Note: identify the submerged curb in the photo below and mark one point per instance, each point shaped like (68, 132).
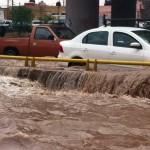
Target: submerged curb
(136, 84)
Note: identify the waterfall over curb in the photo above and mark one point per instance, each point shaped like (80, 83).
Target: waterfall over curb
(136, 83)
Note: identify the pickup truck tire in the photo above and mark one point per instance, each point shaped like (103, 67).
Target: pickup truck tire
(11, 51)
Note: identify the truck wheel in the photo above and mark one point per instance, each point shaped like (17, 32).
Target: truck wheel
(11, 51)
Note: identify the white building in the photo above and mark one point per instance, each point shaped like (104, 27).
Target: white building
(1, 14)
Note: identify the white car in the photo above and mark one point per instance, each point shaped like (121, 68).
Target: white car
(112, 43)
(36, 22)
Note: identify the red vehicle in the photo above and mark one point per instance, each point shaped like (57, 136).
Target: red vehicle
(42, 41)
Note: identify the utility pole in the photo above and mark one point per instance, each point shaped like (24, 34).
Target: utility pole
(7, 3)
(12, 3)
(88, 12)
(7, 9)
(12, 8)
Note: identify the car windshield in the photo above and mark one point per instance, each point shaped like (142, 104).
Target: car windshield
(144, 34)
(63, 32)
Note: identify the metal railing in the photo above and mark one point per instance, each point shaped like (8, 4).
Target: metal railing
(87, 62)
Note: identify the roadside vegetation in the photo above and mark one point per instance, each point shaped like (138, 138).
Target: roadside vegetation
(22, 18)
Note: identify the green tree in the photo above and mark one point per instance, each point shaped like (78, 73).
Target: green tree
(22, 18)
(47, 18)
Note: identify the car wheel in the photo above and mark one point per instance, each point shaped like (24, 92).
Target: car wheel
(11, 51)
(70, 64)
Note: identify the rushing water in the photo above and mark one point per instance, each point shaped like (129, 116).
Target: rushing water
(134, 83)
(34, 118)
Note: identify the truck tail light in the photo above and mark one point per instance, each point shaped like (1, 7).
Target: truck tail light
(61, 49)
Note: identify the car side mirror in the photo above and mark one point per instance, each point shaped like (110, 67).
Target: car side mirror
(136, 45)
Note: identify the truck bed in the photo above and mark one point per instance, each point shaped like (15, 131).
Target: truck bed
(22, 43)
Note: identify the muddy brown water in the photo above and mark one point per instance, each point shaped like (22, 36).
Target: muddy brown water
(135, 83)
(74, 109)
(34, 118)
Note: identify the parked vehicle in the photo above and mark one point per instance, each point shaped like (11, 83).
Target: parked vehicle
(42, 41)
(146, 25)
(5, 22)
(5, 25)
(36, 22)
(113, 43)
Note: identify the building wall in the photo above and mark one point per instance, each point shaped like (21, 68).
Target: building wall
(38, 10)
(106, 10)
(143, 10)
(42, 10)
(146, 11)
(1, 14)
(139, 8)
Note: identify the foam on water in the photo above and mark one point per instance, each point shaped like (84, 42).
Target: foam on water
(34, 118)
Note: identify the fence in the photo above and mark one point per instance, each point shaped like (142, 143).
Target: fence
(95, 62)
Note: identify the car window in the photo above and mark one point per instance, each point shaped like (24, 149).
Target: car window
(98, 38)
(122, 39)
(144, 34)
(43, 34)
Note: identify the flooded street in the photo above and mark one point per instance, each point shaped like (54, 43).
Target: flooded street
(34, 118)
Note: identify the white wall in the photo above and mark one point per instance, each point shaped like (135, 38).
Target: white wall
(1, 14)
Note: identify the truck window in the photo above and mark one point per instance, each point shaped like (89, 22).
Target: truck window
(63, 32)
(43, 34)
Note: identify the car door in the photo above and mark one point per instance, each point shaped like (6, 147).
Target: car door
(121, 49)
(43, 43)
(96, 45)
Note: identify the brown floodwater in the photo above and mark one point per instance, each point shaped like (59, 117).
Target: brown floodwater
(34, 118)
